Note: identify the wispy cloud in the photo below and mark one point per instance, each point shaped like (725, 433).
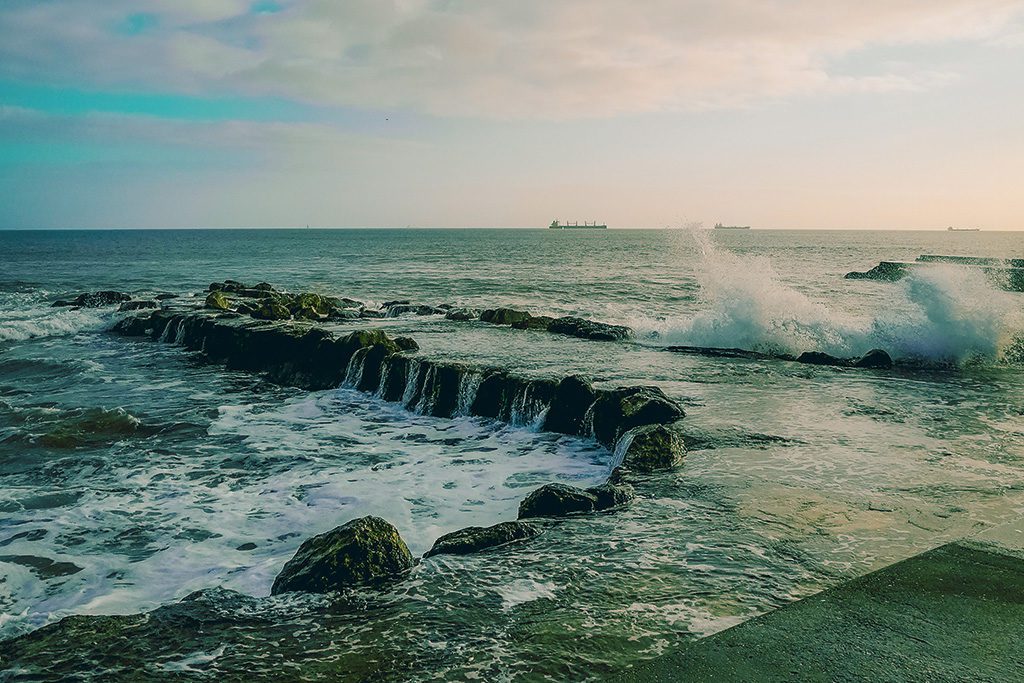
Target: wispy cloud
(486, 58)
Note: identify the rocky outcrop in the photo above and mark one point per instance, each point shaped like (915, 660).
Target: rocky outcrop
(95, 300)
(560, 500)
(536, 322)
(218, 301)
(889, 271)
(876, 359)
(651, 448)
(268, 309)
(138, 305)
(475, 539)
(819, 358)
(616, 411)
(365, 551)
(588, 329)
(568, 408)
(396, 310)
(504, 316)
(463, 314)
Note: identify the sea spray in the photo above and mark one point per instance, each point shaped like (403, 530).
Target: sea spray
(940, 314)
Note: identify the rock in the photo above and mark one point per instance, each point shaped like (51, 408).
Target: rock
(265, 286)
(573, 397)
(504, 316)
(345, 314)
(165, 296)
(463, 314)
(616, 411)
(401, 309)
(313, 303)
(306, 313)
(138, 305)
(371, 314)
(556, 500)
(269, 309)
(364, 551)
(247, 307)
(588, 329)
(406, 344)
(819, 358)
(875, 358)
(389, 304)
(226, 286)
(611, 495)
(255, 293)
(537, 322)
(652, 448)
(474, 539)
(95, 300)
(218, 301)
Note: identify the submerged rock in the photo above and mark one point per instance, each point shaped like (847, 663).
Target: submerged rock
(406, 344)
(419, 309)
(616, 411)
(557, 500)
(474, 539)
(875, 358)
(588, 329)
(218, 301)
(573, 397)
(364, 551)
(653, 447)
(165, 296)
(504, 316)
(95, 300)
(139, 305)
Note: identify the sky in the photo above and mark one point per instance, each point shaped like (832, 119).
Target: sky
(872, 114)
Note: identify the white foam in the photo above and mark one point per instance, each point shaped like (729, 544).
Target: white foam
(939, 313)
(23, 316)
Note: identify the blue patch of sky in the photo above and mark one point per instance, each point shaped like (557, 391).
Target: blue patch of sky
(266, 7)
(138, 23)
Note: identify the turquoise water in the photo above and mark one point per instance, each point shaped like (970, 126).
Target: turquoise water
(134, 474)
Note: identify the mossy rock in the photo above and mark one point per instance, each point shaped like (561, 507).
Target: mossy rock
(652, 448)
(474, 539)
(365, 551)
(218, 301)
(269, 309)
(557, 500)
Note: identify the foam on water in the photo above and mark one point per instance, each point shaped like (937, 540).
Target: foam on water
(273, 476)
(25, 316)
(937, 314)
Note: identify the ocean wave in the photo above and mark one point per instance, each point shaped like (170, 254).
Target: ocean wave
(943, 314)
(25, 316)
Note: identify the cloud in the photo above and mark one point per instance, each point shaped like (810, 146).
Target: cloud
(493, 59)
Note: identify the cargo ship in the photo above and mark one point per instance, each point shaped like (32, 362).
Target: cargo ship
(558, 225)
(719, 226)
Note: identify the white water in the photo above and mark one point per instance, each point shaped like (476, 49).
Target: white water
(938, 314)
(23, 316)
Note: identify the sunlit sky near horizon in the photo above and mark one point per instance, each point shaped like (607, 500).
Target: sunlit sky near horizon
(773, 113)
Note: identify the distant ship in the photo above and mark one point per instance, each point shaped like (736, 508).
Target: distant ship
(557, 225)
(719, 226)
(952, 229)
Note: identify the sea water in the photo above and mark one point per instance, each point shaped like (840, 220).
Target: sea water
(133, 474)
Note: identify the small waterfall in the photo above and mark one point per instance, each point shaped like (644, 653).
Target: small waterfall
(179, 335)
(354, 371)
(526, 408)
(469, 384)
(385, 376)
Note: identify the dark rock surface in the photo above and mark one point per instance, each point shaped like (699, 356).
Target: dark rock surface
(652, 448)
(876, 359)
(95, 300)
(504, 316)
(819, 358)
(269, 309)
(463, 314)
(557, 500)
(611, 495)
(364, 551)
(138, 305)
(537, 322)
(474, 539)
(218, 301)
(588, 329)
(572, 398)
(616, 411)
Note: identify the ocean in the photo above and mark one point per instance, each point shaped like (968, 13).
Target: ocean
(135, 474)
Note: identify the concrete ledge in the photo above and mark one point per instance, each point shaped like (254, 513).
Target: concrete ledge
(955, 613)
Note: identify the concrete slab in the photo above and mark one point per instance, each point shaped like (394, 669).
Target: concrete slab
(955, 613)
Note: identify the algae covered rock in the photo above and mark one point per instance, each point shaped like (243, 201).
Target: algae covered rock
(365, 551)
(463, 314)
(537, 322)
(556, 500)
(504, 316)
(651, 448)
(588, 329)
(218, 301)
(611, 495)
(406, 344)
(474, 539)
(616, 411)
(310, 304)
(269, 309)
